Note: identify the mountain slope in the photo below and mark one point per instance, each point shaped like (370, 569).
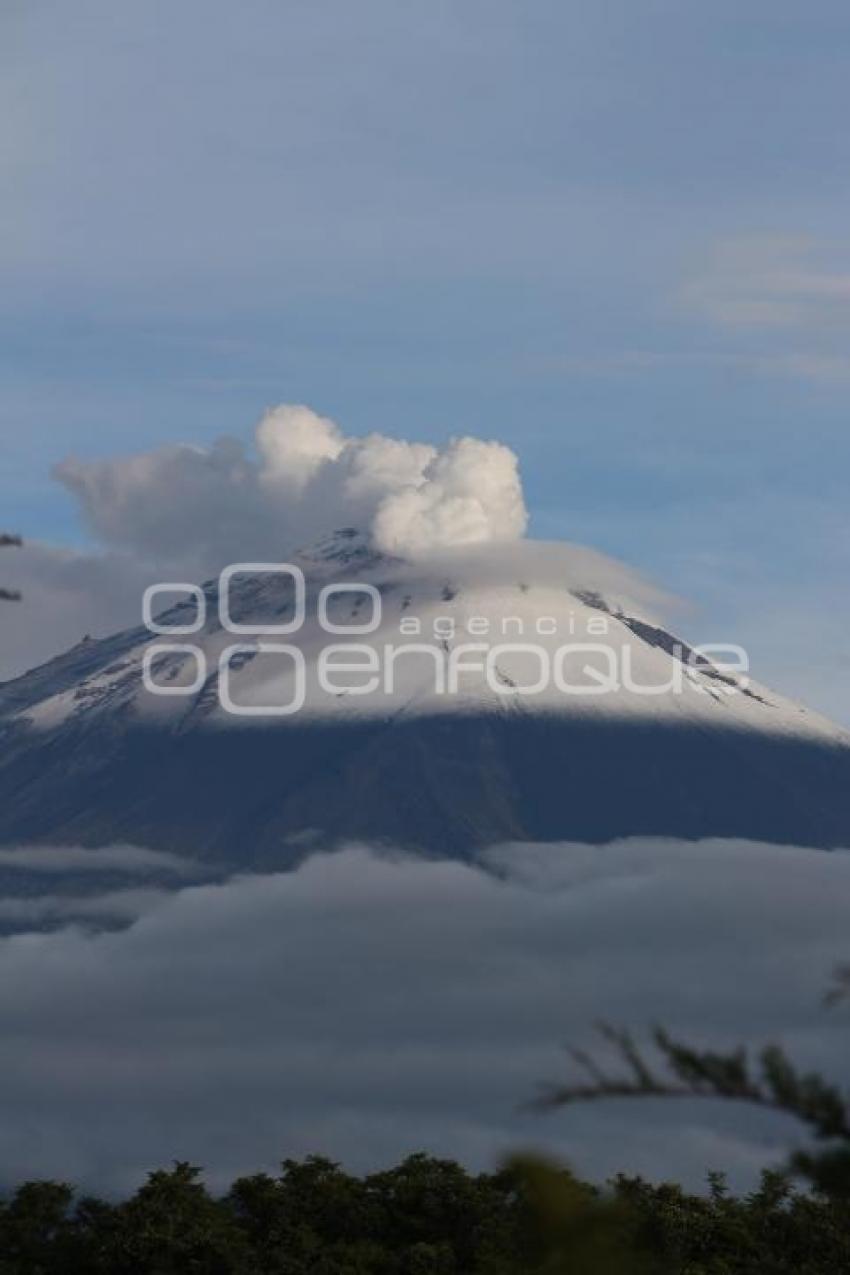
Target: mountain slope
(670, 744)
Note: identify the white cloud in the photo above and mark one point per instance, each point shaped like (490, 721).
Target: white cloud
(196, 509)
(294, 443)
(363, 1007)
(769, 281)
(183, 512)
(802, 365)
(470, 494)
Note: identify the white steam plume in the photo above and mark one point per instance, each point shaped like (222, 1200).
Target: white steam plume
(200, 507)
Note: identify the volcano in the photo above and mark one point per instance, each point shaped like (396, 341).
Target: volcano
(529, 692)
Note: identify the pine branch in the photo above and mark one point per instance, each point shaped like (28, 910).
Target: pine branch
(772, 1083)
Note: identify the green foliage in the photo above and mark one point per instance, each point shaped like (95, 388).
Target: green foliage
(574, 1228)
(424, 1217)
(172, 1226)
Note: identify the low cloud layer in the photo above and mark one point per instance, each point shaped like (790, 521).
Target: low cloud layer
(365, 1007)
(118, 858)
(199, 508)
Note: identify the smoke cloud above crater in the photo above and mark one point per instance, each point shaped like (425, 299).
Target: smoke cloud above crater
(199, 508)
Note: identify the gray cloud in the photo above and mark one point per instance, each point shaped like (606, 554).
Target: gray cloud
(117, 858)
(365, 1006)
(111, 908)
(67, 595)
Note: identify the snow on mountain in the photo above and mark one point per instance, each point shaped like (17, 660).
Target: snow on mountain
(525, 690)
(519, 610)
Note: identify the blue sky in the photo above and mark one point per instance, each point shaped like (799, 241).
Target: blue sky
(612, 235)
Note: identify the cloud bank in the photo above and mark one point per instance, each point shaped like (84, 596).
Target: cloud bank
(365, 1006)
(202, 507)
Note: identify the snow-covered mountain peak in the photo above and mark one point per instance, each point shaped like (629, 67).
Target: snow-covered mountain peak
(345, 549)
(529, 628)
(529, 690)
